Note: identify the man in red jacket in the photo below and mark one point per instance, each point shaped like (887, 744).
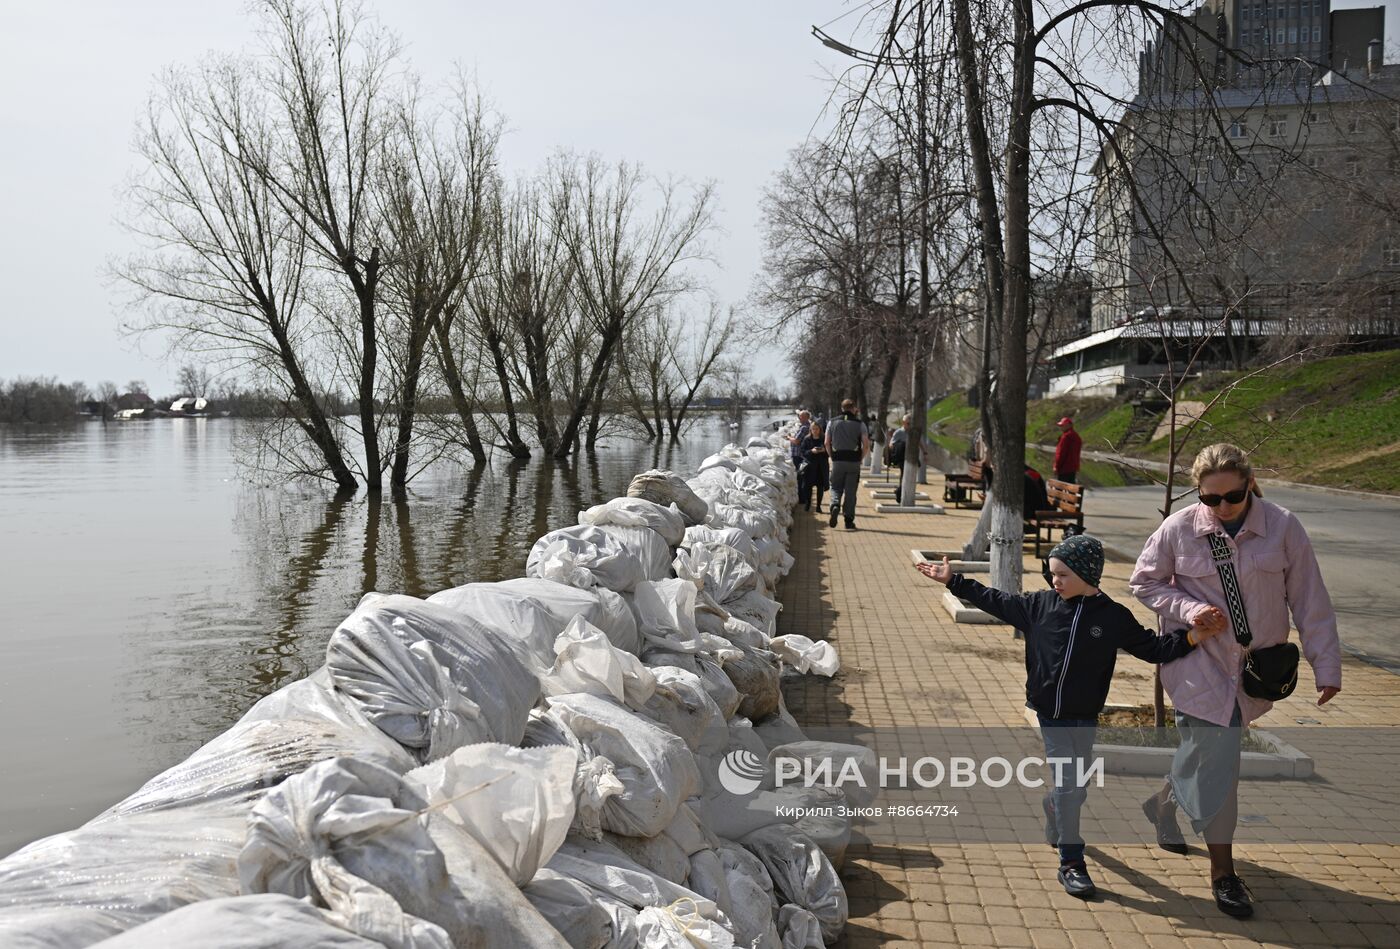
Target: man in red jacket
(1067, 452)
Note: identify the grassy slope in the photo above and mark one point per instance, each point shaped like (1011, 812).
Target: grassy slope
(1334, 421)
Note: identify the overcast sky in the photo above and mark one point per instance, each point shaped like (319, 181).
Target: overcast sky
(717, 90)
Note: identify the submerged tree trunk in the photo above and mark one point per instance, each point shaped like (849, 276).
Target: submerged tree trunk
(514, 443)
(452, 374)
(366, 286)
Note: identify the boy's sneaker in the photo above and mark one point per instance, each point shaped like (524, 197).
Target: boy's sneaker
(1075, 879)
(831, 521)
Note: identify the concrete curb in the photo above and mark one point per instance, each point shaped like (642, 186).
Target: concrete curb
(958, 566)
(964, 612)
(880, 493)
(909, 509)
(1284, 761)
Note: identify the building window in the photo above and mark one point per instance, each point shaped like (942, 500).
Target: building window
(1354, 123)
(1292, 34)
(1317, 7)
(1200, 175)
(1317, 34)
(1353, 166)
(1392, 253)
(1240, 172)
(1239, 128)
(1314, 162)
(1276, 126)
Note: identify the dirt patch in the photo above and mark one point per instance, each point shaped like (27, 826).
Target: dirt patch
(995, 653)
(1356, 457)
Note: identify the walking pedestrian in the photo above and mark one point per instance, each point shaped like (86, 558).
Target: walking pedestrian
(847, 444)
(804, 427)
(895, 450)
(1230, 540)
(1073, 634)
(816, 469)
(1067, 452)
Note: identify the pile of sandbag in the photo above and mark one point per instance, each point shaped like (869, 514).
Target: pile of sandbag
(535, 762)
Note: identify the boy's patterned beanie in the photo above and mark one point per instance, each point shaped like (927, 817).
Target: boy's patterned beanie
(1084, 555)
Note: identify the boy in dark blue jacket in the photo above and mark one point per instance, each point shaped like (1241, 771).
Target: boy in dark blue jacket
(1073, 634)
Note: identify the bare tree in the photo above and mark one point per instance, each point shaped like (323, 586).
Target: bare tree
(623, 259)
(226, 272)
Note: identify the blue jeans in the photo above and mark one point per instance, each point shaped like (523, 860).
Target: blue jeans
(1071, 738)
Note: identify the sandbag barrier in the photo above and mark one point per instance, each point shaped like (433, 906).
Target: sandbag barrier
(535, 762)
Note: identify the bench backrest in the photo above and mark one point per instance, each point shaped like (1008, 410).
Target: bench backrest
(1065, 497)
(974, 470)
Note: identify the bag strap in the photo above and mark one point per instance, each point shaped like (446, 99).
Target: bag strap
(1220, 553)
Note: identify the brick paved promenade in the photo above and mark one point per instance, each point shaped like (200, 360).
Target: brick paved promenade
(904, 662)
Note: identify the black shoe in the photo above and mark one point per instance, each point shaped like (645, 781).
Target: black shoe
(1052, 824)
(807, 506)
(1168, 833)
(819, 508)
(850, 525)
(832, 519)
(1075, 879)
(1232, 896)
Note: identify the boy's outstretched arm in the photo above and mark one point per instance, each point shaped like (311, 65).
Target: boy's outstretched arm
(1011, 608)
(1141, 642)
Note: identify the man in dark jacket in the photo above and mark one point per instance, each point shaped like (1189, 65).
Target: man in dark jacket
(1073, 634)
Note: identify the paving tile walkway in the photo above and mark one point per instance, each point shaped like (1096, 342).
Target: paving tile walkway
(906, 664)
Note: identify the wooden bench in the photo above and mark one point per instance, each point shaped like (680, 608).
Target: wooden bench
(958, 488)
(1066, 508)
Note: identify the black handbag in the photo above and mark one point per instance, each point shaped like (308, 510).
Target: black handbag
(1270, 673)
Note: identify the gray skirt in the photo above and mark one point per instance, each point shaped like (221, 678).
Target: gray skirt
(1206, 767)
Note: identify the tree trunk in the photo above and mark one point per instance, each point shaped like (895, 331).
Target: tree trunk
(595, 418)
(568, 438)
(514, 444)
(460, 402)
(408, 402)
(537, 368)
(313, 421)
(366, 289)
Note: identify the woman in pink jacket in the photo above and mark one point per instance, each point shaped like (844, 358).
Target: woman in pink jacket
(1177, 577)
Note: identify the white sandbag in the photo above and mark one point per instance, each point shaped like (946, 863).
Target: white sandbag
(541, 609)
(80, 887)
(718, 569)
(735, 816)
(660, 854)
(738, 631)
(264, 921)
(666, 614)
(681, 705)
(657, 770)
(680, 925)
(801, 874)
(780, 728)
(517, 803)
(385, 866)
(751, 895)
(799, 928)
(707, 878)
(571, 908)
(618, 878)
(638, 512)
(805, 655)
(667, 488)
(707, 667)
(728, 536)
(238, 767)
(586, 661)
(755, 608)
(756, 676)
(649, 547)
(595, 778)
(428, 676)
(584, 557)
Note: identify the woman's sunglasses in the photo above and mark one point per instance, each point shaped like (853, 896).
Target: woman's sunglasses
(1233, 497)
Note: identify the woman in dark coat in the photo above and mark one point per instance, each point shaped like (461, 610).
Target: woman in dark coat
(817, 470)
